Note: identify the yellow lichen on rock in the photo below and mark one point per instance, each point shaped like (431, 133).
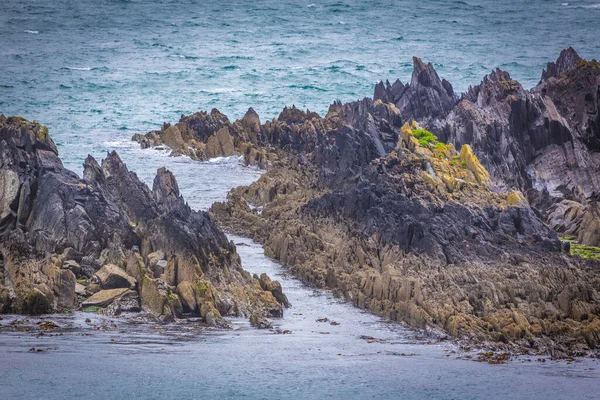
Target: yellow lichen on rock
(517, 199)
(472, 163)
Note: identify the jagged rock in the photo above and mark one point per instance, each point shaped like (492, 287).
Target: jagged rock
(414, 230)
(52, 220)
(275, 288)
(426, 97)
(567, 61)
(542, 141)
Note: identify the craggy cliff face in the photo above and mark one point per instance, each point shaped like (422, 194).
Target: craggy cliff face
(436, 210)
(110, 241)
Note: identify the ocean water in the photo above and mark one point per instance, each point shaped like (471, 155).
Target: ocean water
(96, 72)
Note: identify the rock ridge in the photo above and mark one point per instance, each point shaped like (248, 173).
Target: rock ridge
(107, 235)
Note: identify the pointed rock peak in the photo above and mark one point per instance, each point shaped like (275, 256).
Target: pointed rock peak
(397, 82)
(335, 109)
(496, 85)
(425, 75)
(91, 170)
(251, 121)
(165, 185)
(251, 113)
(567, 61)
(418, 65)
(381, 92)
(497, 76)
(113, 165)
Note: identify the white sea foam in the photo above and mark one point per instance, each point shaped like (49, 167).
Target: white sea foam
(219, 90)
(225, 160)
(121, 144)
(32, 32)
(80, 68)
(311, 5)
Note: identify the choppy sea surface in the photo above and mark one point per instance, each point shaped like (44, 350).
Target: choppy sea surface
(96, 72)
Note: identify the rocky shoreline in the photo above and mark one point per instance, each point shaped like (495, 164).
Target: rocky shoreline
(429, 208)
(110, 244)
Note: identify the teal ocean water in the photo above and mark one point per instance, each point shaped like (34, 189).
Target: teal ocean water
(96, 72)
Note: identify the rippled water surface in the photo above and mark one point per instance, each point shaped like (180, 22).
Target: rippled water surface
(98, 71)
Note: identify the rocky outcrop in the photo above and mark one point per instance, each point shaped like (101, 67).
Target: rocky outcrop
(112, 231)
(439, 210)
(426, 97)
(419, 236)
(544, 142)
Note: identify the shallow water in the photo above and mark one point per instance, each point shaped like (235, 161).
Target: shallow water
(98, 71)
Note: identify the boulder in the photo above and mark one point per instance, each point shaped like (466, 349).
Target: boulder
(251, 123)
(111, 277)
(104, 297)
(259, 321)
(80, 289)
(275, 288)
(159, 299)
(187, 293)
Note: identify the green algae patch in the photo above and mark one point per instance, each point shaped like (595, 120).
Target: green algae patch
(425, 137)
(203, 286)
(587, 252)
(92, 309)
(583, 251)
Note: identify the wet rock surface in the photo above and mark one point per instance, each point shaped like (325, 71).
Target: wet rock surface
(108, 240)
